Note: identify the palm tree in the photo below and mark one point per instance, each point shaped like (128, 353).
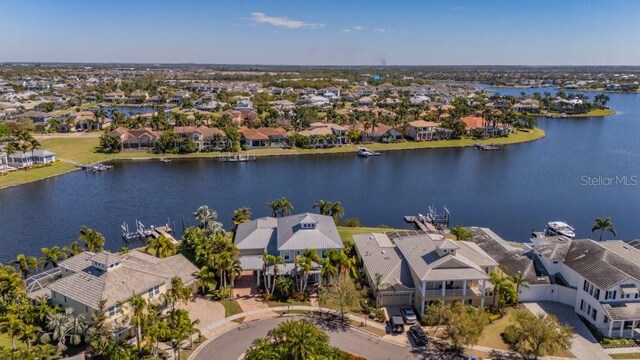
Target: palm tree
(206, 279)
(336, 210)
(266, 260)
(50, 257)
(241, 215)
(323, 206)
(65, 327)
(13, 326)
(24, 264)
(275, 206)
(285, 206)
(73, 249)
(208, 219)
(347, 265)
(519, 281)
(161, 247)
(328, 270)
(93, 240)
(234, 271)
(377, 282)
(501, 285)
(276, 260)
(602, 225)
(138, 305)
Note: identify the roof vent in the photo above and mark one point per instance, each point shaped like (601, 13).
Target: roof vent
(384, 252)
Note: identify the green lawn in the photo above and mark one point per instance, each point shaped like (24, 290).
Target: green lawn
(625, 356)
(231, 307)
(26, 176)
(348, 232)
(291, 302)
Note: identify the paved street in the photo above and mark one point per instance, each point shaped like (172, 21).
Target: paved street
(235, 342)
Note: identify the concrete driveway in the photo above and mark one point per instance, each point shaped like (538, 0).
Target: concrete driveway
(205, 310)
(583, 346)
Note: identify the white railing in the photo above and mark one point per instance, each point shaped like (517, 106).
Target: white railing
(454, 292)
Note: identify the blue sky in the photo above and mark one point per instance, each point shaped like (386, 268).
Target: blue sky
(456, 32)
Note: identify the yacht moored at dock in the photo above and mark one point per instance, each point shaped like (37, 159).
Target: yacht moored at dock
(560, 228)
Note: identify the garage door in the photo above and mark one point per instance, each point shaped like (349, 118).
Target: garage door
(395, 299)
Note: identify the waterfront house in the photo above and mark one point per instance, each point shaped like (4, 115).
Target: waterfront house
(91, 282)
(179, 96)
(136, 139)
(206, 138)
(527, 106)
(138, 97)
(114, 96)
(439, 269)
(244, 105)
(264, 137)
(421, 130)
(381, 132)
(288, 237)
(474, 124)
(601, 280)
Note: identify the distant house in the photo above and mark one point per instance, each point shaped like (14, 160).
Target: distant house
(264, 137)
(326, 134)
(138, 96)
(527, 106)
(87, 121)
(38, 117)
(244, 105)
(25, 159)
(287, 237)
(206, 138)
(365, 101)
(381, 132)
(421, 130)
(93, 282)
(136, 139)
(473, 123)
(180, 96)
(114, 96)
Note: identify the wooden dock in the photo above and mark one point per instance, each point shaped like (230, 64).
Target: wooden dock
(143, 233)
(420, 223)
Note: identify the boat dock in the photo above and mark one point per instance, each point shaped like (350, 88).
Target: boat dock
(143, 233)
(238, 158)
(432, 222)
(488, 147)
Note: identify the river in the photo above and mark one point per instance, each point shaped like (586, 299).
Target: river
(511, 191)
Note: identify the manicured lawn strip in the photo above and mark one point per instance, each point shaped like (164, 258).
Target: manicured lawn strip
(289, 303)
(231, 307)
(596, 112)
(26, 176)
(625, 356)
(347, 232)
(185, 354)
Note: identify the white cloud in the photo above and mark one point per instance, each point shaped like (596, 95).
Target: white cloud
(381, 30)
(262, 18)
(352, 28)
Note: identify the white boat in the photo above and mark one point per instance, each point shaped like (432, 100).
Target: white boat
(364, 152)
(165, 160)
(560, 228)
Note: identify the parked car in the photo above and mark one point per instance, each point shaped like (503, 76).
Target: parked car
(418, 334)
(397, 324)
(409, 315)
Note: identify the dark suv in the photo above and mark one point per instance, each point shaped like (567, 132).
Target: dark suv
(397, 324)
(418, 334)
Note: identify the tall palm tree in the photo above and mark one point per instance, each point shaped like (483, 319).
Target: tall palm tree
(206, 279)
(266, 260)
(73, 249)
(323, 206)
(50, 257)
(347, 265)
(328, 270)
(241, 215)
(208, 219)
(93, 240)
(65, 327)
(234, 271)
(602, 225)
(276, 260)
(285, 206)
(519, 281)
(161, 247)
(274, 206)
(138, 306)
(499, 282)
(12, 326)
(24, 264)
(336, 210)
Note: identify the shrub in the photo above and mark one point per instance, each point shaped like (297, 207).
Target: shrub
(381, 315)
(352, 222)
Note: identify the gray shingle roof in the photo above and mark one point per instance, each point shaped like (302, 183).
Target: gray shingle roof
(513, 260)
(552, 247)
(135, 275)
(622, 311)
(380, 256)
(600, 265)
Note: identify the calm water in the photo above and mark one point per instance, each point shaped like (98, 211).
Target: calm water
(510, 191)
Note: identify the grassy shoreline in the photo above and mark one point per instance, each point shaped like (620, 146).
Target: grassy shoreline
(76, 149)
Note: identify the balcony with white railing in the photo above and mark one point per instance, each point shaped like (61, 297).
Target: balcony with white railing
(470, 291)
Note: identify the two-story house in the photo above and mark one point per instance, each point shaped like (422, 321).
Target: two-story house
(91, 282)
(205, 138)
(420, 130)
(605, 277)
(287, 237)
(424, 268)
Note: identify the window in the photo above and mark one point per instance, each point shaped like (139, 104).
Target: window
(590, 289)
(286, 255)
(606, 319)
(154, 291)
(588, 308)
(594, 314)
(596, 293)
(65, 299)
(581, 305)
(610, 295)
(555, 261)
(113, 310)
(54, 294)
(585, 286)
